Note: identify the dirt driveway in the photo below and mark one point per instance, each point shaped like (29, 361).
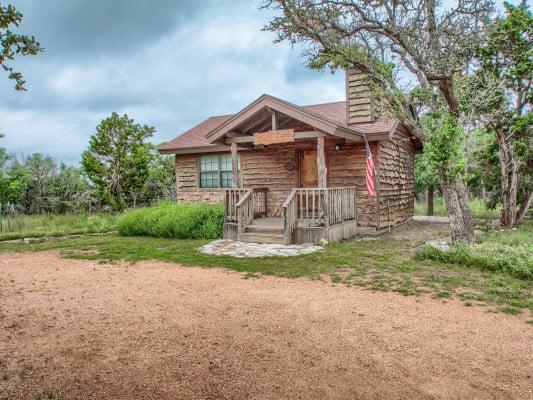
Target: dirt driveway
(82, 330)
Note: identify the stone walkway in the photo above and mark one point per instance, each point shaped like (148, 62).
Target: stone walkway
(253, 250)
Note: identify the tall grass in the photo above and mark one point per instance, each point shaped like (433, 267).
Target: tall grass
(25, 226)
(509, 251)
(172, 220)
(479, 209)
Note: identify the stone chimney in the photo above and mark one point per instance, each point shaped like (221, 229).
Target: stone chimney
(359, 99)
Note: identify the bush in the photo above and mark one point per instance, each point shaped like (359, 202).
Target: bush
(515, 260)
(171, 220)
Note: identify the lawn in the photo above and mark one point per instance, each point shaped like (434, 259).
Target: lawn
(479, 209)
(26, 226)
(386, 263)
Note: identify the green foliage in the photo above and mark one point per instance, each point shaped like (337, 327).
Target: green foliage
(507, 252)
(71, 191)
(443, 149)
(13, 179)
(117, 160)
(425, 174)
(479, 209)
(172, 220)
(12, 44)
(50, 225)
(161, 181)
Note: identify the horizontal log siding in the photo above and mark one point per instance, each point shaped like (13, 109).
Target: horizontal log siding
(347, 167)
(187, 182)
(396, 183)
(276, 167)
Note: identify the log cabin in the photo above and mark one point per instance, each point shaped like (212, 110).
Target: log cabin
(297, 174)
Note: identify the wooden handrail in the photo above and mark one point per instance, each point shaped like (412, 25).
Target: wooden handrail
(289, 199)
(244, 198)
(290, 217)
(245, 210)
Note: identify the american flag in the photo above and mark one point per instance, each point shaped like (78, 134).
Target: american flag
(369, 171)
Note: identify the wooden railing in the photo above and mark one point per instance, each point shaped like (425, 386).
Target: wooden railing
(231, 198)
(318, 207)
(290, 216)
(234, 198)
(245, 210)
(342, 204)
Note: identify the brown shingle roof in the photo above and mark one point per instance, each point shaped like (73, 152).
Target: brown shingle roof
(335, 112)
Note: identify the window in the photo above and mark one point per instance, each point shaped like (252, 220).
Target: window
(215, 171)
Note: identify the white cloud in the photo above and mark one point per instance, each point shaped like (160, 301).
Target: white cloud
(213, 65)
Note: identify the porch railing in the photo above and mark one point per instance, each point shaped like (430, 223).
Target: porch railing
(318, 207)
(290, 216)
(245, 210)
(232, 197)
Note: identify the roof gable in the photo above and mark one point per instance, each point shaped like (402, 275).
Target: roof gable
(330, 115)
(314, 119)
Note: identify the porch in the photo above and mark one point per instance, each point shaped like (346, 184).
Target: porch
(309, 215)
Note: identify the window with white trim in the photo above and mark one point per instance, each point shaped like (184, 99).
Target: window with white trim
(215, 171)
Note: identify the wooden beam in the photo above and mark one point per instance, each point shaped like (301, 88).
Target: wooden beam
(297, 135)
(274, 121)
(321, 161)
(308, 134)
(234, 165)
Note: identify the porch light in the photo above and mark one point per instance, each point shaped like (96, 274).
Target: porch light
(337, 147)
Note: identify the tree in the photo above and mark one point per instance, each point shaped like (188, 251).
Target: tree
(41, 170)
(431, 41)
(161, 181)
(71, 191)
(426, 179)
(499, 97)
(12, 44)
(117, 160)
(12, 180)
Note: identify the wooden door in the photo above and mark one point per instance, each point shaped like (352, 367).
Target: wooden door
(308, 169)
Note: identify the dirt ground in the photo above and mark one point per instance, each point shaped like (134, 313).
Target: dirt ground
(83, 330)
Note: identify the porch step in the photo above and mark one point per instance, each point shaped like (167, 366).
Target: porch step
(257, 237)
(276, 230)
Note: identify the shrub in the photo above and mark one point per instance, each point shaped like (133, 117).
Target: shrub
(171, 220)
(515, 260)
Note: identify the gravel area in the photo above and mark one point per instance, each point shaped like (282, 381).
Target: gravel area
(83, 330)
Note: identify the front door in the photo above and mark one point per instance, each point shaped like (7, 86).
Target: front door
(308, 169)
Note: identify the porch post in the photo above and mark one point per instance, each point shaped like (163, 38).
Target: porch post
(234, 165)
(321, 161)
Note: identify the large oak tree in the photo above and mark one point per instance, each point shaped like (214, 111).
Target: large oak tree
(428, 39)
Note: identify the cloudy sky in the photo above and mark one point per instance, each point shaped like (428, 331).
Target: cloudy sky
(166, 63)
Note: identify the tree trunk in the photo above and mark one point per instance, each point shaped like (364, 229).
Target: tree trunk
(506, 215)
(524, 209)
(430, 195)
(461, 225)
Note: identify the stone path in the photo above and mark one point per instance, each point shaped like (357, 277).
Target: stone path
(253, 250)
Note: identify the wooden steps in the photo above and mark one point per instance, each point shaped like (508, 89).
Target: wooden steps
(258, 232)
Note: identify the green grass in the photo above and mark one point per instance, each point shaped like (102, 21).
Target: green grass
(385, 264)
(479, 209)
(508, 251)
(49, 225)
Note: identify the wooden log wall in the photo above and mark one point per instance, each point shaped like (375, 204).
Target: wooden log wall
(396, 180)
(276, 167)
